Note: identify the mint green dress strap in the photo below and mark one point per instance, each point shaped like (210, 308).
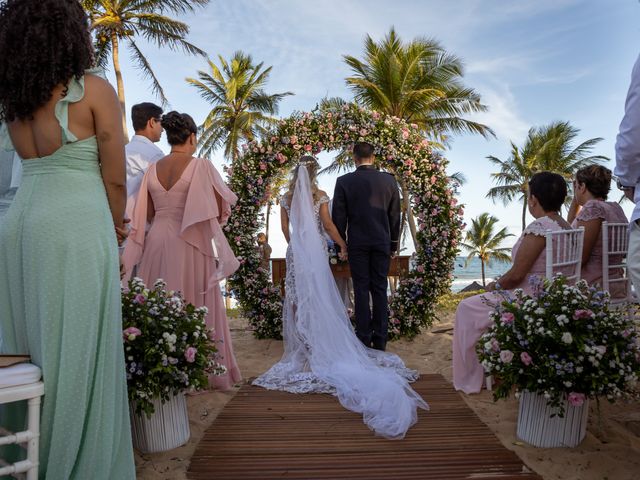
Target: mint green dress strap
(75, 93)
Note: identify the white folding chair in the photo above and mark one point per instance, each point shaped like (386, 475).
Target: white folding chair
(564, 253)
(615, 243)
(563, 250)
(17, 383)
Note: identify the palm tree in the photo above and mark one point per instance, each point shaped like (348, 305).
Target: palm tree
(482, 242)
(242, 110)
(115, 22)
(547, 148)
(419, 82)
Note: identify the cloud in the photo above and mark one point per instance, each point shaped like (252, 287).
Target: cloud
(503, 115)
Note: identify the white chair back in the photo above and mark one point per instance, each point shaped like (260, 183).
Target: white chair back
(615, 243)
(564, 253)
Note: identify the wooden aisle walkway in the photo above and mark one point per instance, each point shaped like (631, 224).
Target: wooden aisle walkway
(263, 435)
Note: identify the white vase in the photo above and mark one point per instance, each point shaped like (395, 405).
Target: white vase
(166, 429)
(538, 428)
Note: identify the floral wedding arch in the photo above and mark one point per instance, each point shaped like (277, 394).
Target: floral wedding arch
(400, 148)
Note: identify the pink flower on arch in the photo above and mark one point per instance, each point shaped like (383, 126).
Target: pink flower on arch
(139, 299)
(405, 134)
(576, 399)
(263, 166)
(307, 148)
(526, 358)
(579, 314)
(190, 354)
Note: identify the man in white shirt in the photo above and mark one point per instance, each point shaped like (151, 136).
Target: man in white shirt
(141, 151)
(628, 169)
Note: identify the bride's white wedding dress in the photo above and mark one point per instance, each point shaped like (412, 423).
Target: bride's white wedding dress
(321, 352)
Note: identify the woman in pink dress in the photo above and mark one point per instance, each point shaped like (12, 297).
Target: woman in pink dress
(589, 209)
(547, 192)
(185, 201)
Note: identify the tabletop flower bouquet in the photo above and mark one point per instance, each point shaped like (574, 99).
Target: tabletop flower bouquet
(559, 347)
(167, 351)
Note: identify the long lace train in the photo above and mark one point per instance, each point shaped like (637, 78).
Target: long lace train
(322, 353)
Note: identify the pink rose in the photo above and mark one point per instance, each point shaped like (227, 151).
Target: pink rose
(131, 333)
(506, 356)
(263, 166)
(364, 132)
(307, 148)
(140, 299)
(405, 134)
(582, 314)
(420, 268)
(495, 345)
(293, 139)
(280, 157)
(190, 354)
(507, 318)
(260, 181)
(576, 399)
(526, 358)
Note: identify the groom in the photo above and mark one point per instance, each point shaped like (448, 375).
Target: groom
(366, 211)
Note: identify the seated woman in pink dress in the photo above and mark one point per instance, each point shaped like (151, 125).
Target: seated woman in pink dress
(589, 209)
(186, 201)
(547, 192)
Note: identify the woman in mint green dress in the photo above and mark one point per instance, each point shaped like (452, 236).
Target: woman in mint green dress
(59, 272)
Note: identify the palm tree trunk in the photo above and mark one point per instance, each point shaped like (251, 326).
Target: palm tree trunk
(406, 200)
(484, 283)
(524, 212)
(119, 83)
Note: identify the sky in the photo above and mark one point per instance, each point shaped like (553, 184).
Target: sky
(532, 61)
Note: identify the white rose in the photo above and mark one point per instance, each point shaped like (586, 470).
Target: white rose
(567, 338)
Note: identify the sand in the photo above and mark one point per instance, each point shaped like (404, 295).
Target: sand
(610, 451)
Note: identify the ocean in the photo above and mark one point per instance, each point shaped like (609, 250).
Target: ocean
(464, 276)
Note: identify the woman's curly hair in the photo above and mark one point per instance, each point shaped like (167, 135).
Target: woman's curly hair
(43, 43)
(178, 127)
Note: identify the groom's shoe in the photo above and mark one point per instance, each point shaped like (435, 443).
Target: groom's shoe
(379, 346)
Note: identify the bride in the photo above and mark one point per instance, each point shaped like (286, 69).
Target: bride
(321, 352)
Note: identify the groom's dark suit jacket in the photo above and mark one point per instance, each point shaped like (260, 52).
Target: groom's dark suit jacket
(366, 208)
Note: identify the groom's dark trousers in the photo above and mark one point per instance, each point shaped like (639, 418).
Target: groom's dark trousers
(369, 269)
(366, 212)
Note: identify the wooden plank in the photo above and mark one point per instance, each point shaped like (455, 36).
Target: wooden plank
(263, 435)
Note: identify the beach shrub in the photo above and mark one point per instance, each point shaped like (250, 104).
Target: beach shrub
(563, 342)
(167, 346)
(400, 147)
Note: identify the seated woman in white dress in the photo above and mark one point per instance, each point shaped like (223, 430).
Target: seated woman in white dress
(547, 192)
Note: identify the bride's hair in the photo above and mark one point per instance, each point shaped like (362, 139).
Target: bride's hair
(312, 169)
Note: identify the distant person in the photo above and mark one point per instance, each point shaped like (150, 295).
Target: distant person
(628, 169)
(186, 203)
(141, 150)
(547, 192)
(589, 209)
(264, 250)
(60, 298)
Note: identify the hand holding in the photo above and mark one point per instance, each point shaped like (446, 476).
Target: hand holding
(123, 232)
(343, 252)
